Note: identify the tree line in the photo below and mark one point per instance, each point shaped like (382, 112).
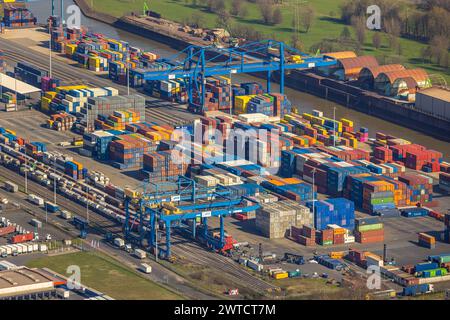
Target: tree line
(427, 21)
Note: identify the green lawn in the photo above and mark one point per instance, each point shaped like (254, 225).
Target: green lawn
(106, 275)
(325, 26)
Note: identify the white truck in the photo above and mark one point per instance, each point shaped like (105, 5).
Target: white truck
(119, 242)
(145, 268)
(141, 254)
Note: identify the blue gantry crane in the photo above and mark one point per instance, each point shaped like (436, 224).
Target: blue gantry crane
(196, 203)
(195, 63)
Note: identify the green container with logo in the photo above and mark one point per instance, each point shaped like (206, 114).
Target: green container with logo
(370, 227)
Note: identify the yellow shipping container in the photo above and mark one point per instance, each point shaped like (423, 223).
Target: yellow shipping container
(281, 275)
(10, 131)
(50, 94)
(337, 254)
(80, 87)
(347, 122)
(70, 49)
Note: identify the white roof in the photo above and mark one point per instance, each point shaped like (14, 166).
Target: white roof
(16, 85)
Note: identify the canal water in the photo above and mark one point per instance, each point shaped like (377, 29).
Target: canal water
(305, 102)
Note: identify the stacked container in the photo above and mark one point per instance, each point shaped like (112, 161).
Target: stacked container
(18, 17)
(339, 211)
(160, 166)
(427, 241)
(369, 230)
(420, 187)
(30, 74)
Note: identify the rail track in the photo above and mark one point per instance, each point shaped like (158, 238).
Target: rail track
(97, 221)
(196, 254)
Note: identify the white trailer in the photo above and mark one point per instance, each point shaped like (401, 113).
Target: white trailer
(119, 242)
(145, 268)
(141, 254)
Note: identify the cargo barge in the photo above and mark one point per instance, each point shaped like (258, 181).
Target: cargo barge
(368, 102)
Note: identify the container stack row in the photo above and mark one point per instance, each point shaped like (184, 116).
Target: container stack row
(18, 17)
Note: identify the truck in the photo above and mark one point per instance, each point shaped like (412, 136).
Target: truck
(22, 238)
(418, 289)
(119, 242)
(11, 187)
(141, 254)
(51, 207)
(35, 200)
(145, 268)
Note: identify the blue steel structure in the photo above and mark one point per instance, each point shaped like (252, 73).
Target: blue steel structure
(195, 63)
(223, 203)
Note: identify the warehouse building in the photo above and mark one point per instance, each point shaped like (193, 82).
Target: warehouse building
(435, 101)
(326, 71)
(401, 83)
(367, 75)
(27, 284)
(349, 68)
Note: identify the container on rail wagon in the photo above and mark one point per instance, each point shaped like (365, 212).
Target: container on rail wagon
(36, 223)
(35, 200)
(66, 214)
(51, 207)
(11, 187)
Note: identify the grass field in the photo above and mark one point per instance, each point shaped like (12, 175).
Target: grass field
(104, 274)
(325, 26)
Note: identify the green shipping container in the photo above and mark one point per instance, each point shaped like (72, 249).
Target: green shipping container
(294, 274)
(369, 227)
(327, 243)
(444, 259)
(382, 200)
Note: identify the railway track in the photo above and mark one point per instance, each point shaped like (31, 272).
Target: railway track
(97, 221)
(192, 252)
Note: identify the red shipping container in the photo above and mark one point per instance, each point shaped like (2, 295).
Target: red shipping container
(22, 238)
(7, 230)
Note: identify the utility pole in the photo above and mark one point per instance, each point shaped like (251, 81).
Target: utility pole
(87, 204)
(334, 126)
(26, 174)
(128, 72)
(313, 193)
(54, 180)
(156, 240)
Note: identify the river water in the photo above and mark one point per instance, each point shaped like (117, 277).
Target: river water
(305, 102)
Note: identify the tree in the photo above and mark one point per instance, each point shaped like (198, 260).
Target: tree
(345, 34)
(216, 5)
(438, 50)
(266, 9)
(376, 40)
(277, 16)
(223, 19)
(307, 17)
(236, 7)
(360, 29)
(196, 20)
(295, 42)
